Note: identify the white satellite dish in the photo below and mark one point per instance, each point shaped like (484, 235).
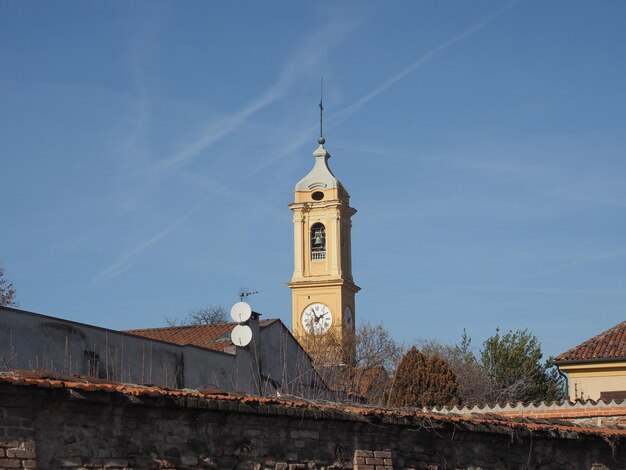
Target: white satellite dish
(241, 335)
(241, 312)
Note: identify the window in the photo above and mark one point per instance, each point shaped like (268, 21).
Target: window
(617, 395)
(318, 242)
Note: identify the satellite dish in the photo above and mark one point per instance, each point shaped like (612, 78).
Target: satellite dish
(241, 335)
(241, 312)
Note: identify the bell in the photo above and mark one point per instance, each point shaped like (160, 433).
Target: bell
(318, 239)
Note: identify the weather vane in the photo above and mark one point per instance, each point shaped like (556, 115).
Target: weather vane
(321, 140)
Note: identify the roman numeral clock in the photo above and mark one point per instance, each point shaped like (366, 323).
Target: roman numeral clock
(317, 319)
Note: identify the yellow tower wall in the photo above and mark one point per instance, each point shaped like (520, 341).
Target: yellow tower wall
(320, 198)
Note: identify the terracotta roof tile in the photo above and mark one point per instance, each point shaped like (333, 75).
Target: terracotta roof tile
(45, 379)
(611, 344)
(215, 337)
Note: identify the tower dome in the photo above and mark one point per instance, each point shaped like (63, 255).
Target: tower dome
(321, 176)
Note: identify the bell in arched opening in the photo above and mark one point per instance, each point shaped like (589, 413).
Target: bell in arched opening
(318, 241)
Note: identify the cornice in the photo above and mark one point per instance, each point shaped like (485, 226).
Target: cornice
(333, 204)
(324, 283)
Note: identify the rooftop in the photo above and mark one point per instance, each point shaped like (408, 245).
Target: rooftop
(608, 345)
(215, 337)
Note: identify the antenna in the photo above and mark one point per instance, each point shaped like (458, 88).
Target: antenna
(245, 294)
(321, 140)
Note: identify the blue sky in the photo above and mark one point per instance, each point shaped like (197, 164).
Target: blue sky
(149, 151)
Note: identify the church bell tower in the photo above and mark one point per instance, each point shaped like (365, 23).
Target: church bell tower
(322, 286)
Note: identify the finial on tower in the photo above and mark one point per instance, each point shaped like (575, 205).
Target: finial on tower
(321, 140)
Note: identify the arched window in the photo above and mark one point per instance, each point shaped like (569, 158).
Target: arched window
(318, 241)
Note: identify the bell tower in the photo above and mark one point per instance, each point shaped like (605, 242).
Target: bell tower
(322, 286)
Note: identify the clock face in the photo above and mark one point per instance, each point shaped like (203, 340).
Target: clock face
(317, 319)
(347, 315)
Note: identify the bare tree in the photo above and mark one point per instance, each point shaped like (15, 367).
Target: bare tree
(356, 366)
(376, 360)
(376, 348)
(7, 291)
(210, 315)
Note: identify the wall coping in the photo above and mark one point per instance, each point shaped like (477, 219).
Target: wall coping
(564, 408)
(86, 389)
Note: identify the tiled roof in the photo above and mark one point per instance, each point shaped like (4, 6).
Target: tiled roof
(608, 345)
(216, 337)
(240, 403)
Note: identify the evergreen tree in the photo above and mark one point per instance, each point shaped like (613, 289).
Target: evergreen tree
(422, 381)
(513, 365)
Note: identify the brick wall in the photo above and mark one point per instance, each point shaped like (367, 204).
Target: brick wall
(372, 460)
(56, 427)
(17, 454)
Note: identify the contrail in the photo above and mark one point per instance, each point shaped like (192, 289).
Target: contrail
(418, 63)
(275, 92)
(223, 128)
(122, 265)
(305, 59)
(300, 62)
(386, 85)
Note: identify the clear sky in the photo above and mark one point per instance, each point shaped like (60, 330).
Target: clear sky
(149, 151)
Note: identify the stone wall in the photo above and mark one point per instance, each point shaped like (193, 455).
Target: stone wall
(56, 425)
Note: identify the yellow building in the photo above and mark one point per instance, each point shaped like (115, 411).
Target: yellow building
(322, 286)
(596, 368)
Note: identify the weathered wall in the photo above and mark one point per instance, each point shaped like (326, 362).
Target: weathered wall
(65, 427)
(275, 362)
(33, 341)
(286, 367)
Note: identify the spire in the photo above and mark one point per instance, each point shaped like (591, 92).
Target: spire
(320, 177)
(321, 140)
